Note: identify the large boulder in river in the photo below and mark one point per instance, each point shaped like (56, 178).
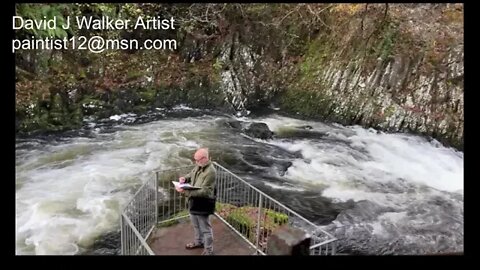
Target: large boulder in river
(259, 130)
(234, 124)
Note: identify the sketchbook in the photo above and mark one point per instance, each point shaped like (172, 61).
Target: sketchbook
(184, 186)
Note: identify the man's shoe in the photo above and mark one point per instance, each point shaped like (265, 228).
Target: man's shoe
(193, 246)
(207, 252)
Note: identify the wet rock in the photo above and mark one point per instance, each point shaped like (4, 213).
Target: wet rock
(108, 241)
(259, 130)
(104, 251)
(305, 127)
(235, 124)
(287, 240)
(282, 166)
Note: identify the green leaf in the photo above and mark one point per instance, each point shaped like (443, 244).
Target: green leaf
(59, 32)
(44, 10)
(35, 33)
(50, 32)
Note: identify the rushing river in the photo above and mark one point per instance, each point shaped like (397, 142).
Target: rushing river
(377, 193)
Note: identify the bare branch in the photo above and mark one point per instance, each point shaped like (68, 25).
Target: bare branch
(206, 13)
(329, 6)
(241, 9)
(386, 11)
(363, 18)
(318, 17)
(288, 14)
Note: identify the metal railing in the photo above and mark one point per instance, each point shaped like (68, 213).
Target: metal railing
(172, 205)
(138, 220)
(142, 213)
(251, 213)
(254, 215)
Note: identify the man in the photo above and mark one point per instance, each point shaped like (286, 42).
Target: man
(201, 201)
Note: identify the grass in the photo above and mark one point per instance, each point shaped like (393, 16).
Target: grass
(245, 218)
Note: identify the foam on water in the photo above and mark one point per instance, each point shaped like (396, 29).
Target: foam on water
(70, 193)
(406, 187)
(369, 159)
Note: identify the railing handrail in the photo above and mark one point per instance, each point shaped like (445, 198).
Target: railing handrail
(323, 243)
(174, 168)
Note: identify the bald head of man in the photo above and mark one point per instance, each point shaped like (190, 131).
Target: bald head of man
(201, 157)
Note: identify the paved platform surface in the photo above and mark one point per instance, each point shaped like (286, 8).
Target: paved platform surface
(172, 240)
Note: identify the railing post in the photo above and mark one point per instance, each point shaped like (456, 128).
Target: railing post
(122, 243)
(156, 198)
(260, 201)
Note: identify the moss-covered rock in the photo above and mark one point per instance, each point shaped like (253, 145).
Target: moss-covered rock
(91, 105)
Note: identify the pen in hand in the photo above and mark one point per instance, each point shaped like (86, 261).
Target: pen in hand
(181, 180)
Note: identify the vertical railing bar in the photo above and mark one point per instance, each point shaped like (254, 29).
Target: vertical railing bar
(170, 201)
(143, 204)
(247, 195)
(144, 217)
(140, 216)
(258, 221)
(156, 198)
(224, 189)
(135, 246)
(224, 186)
(252, 197)
(220, 188)
(147, 209)
(151, 199)
(228, 190)
(130, 239)
(129, 243)
(122, 244)
(244, 191)
(174, 202)
(140, 212)
(134, 239)
(150, 204)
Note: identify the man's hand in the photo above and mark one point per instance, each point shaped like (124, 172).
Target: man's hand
(180, 190)
(181, 180)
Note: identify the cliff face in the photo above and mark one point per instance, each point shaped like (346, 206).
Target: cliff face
(396, 67)
(409, 77)
(397, 96)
